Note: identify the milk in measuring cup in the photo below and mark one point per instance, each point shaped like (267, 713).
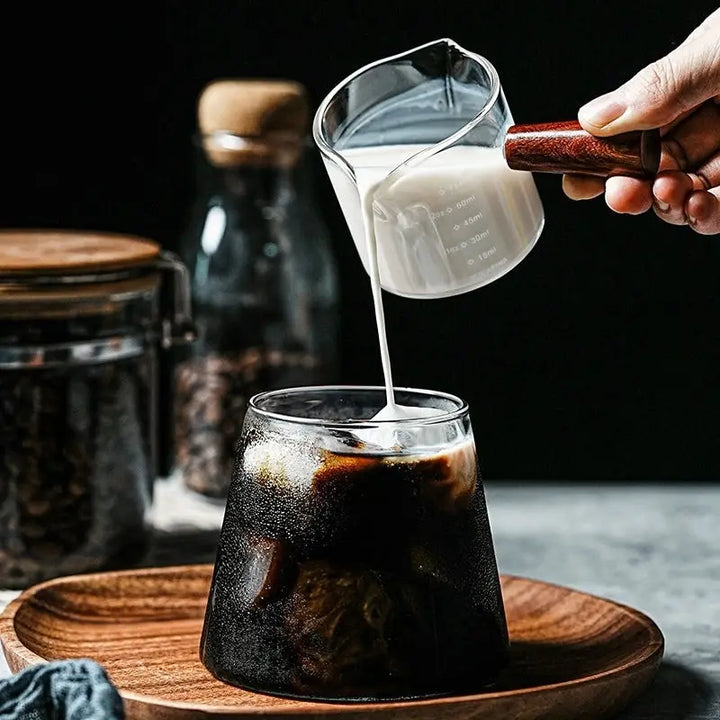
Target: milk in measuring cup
(457, 221)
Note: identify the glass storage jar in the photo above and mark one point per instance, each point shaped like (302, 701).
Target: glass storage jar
(263, 274)
(82, 316)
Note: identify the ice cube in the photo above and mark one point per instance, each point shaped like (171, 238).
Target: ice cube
(394, 432)
(282, 462)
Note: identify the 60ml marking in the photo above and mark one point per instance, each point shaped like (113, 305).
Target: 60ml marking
(460, 204)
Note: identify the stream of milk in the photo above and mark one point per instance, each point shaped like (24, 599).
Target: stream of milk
(455, 219)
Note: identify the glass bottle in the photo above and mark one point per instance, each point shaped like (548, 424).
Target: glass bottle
(263, 275)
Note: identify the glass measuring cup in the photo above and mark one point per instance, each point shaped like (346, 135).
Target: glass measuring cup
(413, 145)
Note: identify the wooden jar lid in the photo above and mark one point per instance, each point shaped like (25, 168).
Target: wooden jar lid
(93, 258)
(252, 121)
(37, 251)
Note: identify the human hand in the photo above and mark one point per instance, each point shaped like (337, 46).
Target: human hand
(680, 94)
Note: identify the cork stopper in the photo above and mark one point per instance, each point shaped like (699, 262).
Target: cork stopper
(252, 121)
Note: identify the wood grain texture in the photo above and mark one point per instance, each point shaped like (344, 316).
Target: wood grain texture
(573, 655)
(45, 250)
(564, 147)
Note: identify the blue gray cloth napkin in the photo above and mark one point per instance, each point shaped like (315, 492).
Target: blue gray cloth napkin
(60, 690)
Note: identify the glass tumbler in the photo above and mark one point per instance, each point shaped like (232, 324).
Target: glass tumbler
(355, 561)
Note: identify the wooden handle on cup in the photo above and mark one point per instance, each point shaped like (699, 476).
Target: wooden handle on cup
(564, 147)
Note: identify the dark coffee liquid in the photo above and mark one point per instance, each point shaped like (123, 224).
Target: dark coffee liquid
(375, 581)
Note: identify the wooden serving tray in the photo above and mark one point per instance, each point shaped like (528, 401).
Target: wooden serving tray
(573, 655)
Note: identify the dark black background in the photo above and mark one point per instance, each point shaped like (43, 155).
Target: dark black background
(596, 358)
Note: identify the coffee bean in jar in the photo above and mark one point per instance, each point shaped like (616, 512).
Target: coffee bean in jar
(81, 325)
(264, 280)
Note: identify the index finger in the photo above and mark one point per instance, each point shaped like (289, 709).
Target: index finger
(692, 141)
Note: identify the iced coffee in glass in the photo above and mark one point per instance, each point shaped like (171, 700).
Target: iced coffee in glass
(355, 561)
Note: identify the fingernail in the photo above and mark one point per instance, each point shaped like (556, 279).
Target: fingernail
(601, 111)
(662, 206)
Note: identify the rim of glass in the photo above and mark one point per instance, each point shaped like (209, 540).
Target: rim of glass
(324, 145)
(442, 416)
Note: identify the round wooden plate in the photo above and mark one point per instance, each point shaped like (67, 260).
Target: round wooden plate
(573, 655)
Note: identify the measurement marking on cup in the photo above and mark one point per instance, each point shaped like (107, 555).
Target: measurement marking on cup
(464, 244)
(460, 204)
(440, 213)
(487, 271)
(484, 255)
(449, 188)
(479, 237)
(469, 221)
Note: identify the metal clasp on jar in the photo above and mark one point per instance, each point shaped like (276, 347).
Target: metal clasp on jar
(179, 328)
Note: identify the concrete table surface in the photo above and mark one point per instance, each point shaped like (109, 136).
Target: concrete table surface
(653, 546)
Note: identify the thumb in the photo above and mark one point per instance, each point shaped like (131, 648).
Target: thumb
(662, 91)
